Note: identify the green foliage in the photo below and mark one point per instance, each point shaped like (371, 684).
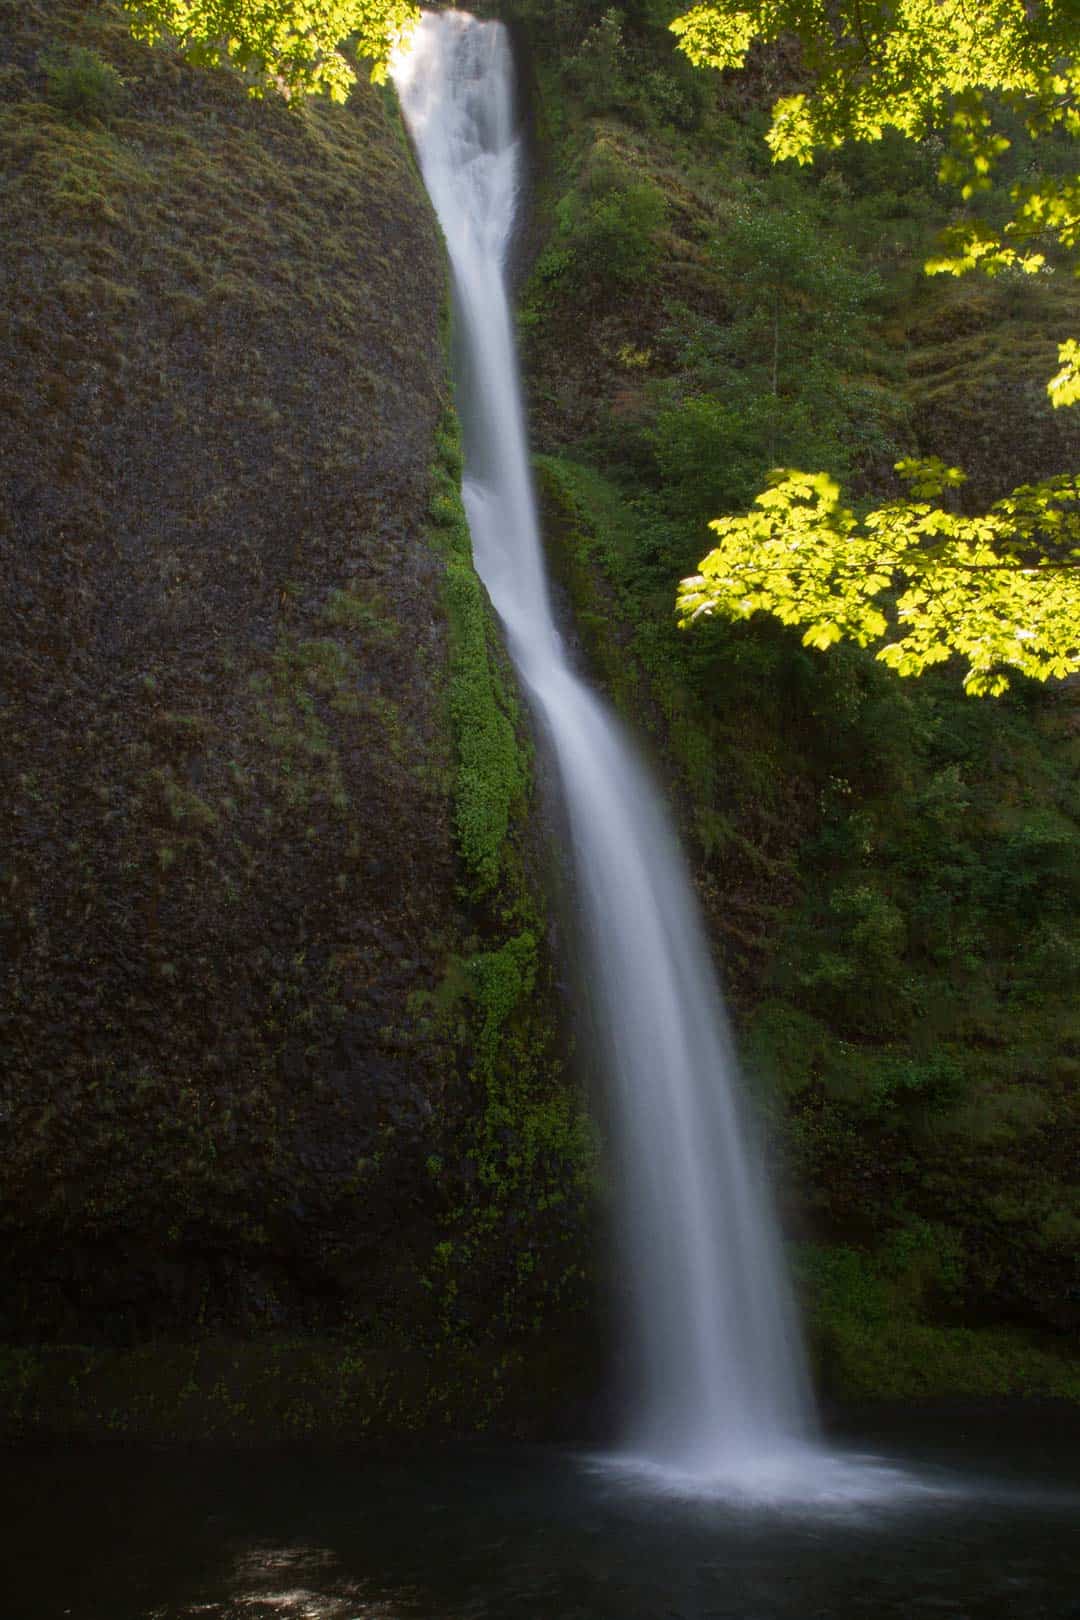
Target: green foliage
(599, 65)
(856, 971)
(933, 1081)
(1064, 386)
(931, 62)
(875, 67)
(606, 239)
(915, 925)
(710, 453)
(290, 45)
(1047, 211)
(778, 264)
(772, 382)
(608, 233)
(1001, 590)
(81, 85)
(890, 872)
(615, 59)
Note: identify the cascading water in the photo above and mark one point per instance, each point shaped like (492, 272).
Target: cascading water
(719, 1390)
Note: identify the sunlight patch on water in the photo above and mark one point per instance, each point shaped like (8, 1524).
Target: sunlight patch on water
(289, 1582)
(299, 1604)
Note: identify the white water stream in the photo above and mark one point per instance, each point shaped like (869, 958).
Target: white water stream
(718, 1387)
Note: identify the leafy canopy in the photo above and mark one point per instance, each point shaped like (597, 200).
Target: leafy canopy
(893, 64)
(1001, 590)
(914, 66)
(289, 44)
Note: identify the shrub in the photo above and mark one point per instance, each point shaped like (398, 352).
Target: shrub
(670, 102)
(81, 85)
(611, 231)
(711, 455)
(599, 65)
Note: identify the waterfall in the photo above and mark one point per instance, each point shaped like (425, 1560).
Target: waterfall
(718, 1388)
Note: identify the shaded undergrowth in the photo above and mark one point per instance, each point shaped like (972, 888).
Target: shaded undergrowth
(889, 869)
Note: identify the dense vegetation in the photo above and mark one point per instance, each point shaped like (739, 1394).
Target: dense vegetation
(891, 868)
(1002, 588)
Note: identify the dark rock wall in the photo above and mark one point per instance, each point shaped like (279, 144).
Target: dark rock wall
(239, 1022)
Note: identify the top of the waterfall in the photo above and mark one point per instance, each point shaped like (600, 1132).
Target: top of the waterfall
(455, 77)
(454, 65)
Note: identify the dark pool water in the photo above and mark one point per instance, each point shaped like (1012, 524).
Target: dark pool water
(946, 1516)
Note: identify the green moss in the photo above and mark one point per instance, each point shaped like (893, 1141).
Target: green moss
(871, 1337)
(529, 1147)
(530, 1151)
(582, 527)
(309, 681)
(598, 540)
(500, 980)
(185, 807)
(543, 1118)
(491, 773)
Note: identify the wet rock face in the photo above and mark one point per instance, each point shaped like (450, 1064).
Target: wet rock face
(228, 857)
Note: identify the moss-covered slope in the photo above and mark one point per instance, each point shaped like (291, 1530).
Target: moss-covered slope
(262, 831)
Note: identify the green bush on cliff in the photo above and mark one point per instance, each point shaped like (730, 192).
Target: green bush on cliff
(772, 380)
(81, 85)
(868, 1326)
(609, 233)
